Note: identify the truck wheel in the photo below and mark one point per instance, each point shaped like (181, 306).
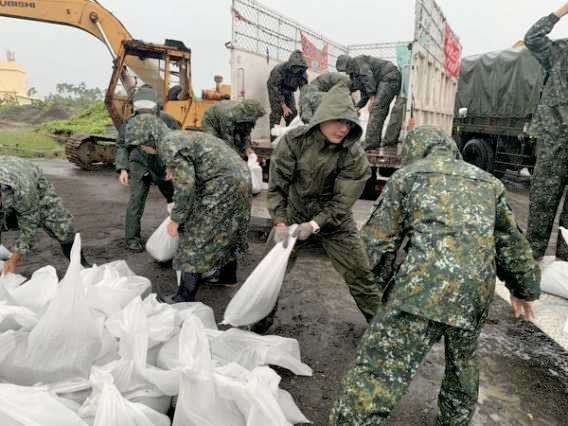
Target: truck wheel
(479, 153)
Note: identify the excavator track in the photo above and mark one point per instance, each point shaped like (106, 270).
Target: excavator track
(90, 152)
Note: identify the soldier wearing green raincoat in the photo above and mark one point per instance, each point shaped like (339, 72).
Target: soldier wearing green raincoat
(138, 170)
(212, 201)
(233, 122)
(457, 231)
(378, 81)
(27, 202)
(317, 172)
(284, 79)
(550, 128)
(312, 93)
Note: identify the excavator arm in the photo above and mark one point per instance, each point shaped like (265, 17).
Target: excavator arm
(90, 16)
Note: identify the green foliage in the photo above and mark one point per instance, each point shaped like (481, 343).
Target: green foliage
(75, 97)
(26, 143)
(93, 120)
(8, 102)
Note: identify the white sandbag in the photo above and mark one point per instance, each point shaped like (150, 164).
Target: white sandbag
(65, 341)
(289, 408)
(554, 279)
(251, 350)
(4, 253)
(257, 296)
(280, 131)
(14, 317)
(38, 291)
(33, 406)
(199, 402)
(111, 407)
(256, 173)
(161, 245)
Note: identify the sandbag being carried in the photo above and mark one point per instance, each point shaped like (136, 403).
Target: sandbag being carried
(161, 245)
(257, 296)
(256, 173)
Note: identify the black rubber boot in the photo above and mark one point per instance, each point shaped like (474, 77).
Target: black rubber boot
(262, 326)
(188, 286)
(66, 248)
(226, 276)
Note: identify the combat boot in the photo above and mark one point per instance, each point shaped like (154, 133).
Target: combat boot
(66, 248)
(226, 276)
(188, 286)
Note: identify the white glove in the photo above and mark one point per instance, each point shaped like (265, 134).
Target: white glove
(281, 234)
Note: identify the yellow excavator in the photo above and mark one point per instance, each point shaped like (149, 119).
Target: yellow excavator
(167, 67)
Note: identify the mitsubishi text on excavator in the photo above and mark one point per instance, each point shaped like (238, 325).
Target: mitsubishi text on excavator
(167, 67)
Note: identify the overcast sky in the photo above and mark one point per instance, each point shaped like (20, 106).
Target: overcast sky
(54, 54)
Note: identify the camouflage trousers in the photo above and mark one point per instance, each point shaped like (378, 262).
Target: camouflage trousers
(389, 355)
(276, 110)
(346, 250)
(386, 91)
(547, 186)
(55, 219)
(139, 189)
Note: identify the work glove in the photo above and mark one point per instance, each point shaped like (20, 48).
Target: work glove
(281, 234)
(303, 231)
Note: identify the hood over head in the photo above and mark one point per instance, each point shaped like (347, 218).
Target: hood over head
(342, 63)
(145, 129)
(297, 59)
(428, 140)
(145, 98)
(248, 111)
(337, 104)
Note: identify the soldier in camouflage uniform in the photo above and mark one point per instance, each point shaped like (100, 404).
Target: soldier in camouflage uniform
(379, 82)
(312, 94)
(550, 128)
(458, 232)
(317, 173)
(27, 202)
(233, 122)
(137, 170)
(212, 200)
(285, 78)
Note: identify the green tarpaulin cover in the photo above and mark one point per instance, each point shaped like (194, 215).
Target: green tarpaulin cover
(503, 83)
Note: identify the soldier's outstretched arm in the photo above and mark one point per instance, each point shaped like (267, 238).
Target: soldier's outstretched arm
(563, 10)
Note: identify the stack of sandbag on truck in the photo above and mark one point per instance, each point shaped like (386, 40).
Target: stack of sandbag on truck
(96, 348)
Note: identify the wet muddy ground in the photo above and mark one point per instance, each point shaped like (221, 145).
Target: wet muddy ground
(524, 375)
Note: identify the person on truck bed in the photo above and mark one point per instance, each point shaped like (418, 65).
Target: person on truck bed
(549, 127)
(233, 122)
(284, 79)
(452, 222)
(212, 201)
(312, 93)
(27, 202)
(317, 173)
(137, 170)
(378, 81)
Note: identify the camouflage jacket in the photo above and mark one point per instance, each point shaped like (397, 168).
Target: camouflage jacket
(313, 179)
(233, 122)
(458, 225)
(30, 188)
(367, 72)
(553, 56)
(281, 78)
(128, 156)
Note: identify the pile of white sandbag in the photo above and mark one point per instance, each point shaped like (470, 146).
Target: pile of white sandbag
(97, 349)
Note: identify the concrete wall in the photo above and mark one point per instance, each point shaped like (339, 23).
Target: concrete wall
(249, 73)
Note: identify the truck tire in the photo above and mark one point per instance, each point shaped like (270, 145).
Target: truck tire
(479, 152)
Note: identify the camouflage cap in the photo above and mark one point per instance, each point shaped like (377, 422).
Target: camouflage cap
(145, 98)
(248, 111)
(426, 140)
(309, 104)
(342, 63)
(145, 129)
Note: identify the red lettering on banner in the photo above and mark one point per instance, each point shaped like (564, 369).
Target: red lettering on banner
(452, 52)
(316, 58)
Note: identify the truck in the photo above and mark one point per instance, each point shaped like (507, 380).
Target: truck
(262, 37)
(167, 67)
(498, 93)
